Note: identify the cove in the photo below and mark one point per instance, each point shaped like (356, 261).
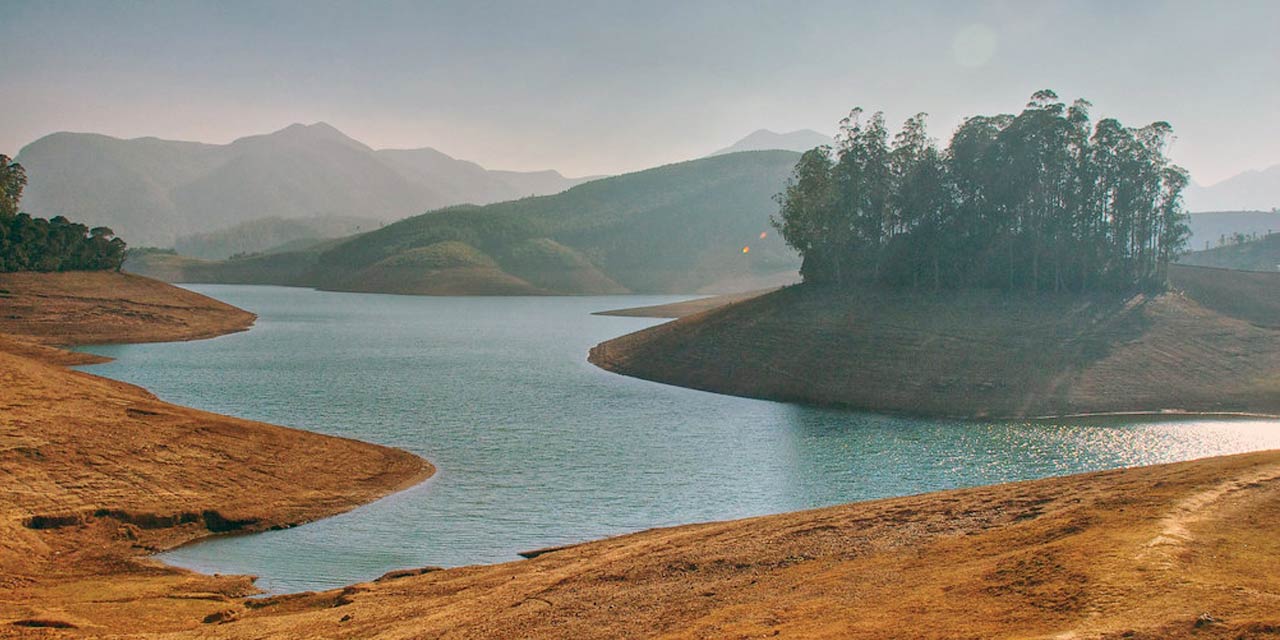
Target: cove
(535, 447)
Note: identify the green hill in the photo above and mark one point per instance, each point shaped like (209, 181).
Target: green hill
(1212, 229)
(269, 235)
(672, 229)
(1262, 254)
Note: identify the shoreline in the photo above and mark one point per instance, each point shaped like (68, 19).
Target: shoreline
(1164, 543)
(1209, 347)
(1018, 559)
(1144, 414)
(76, 447)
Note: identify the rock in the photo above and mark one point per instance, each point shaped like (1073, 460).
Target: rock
(347, 596)
(405, 573)
(43, 623)
(1205, 620)
(222, 617)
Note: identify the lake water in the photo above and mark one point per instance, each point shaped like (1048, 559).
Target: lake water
(536, 447)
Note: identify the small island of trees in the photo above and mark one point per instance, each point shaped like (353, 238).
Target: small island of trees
(57, 244)
(1041, 201)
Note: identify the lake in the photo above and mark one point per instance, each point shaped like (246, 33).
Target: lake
(535, 447)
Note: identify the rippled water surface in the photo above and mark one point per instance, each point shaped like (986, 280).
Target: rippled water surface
(536, 447)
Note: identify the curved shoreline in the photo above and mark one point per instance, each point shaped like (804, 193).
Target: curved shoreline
(1137, 552)
(1210, 348)
(76, 449)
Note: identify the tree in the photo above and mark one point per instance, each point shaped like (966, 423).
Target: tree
(57, 244)
(13, 178)
(806, 219)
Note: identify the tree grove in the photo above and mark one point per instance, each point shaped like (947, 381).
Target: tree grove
(1042, 201)
(57, 244)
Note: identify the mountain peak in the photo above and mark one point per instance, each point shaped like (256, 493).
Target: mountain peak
(766, 139)
(304, 133)
(1252, 190)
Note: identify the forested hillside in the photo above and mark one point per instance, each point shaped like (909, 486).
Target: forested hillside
(270, 235)
(1210, 229)
(1254, 253)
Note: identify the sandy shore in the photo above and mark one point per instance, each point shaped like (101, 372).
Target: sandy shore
(97, 473)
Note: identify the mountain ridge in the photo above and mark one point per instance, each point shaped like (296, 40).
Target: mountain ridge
(688, 227)
(1253, 189)
(151, 190)
(800, 140)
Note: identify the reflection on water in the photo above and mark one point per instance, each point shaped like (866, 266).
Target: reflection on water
(536, 447)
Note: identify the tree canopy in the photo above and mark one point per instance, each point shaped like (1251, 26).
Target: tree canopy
(57, 244)
(1044, 200)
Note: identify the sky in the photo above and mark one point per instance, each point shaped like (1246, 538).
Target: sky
(595, 87)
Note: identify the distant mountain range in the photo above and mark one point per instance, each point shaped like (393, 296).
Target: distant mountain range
(151, 191)
(1251, 190)
(764, 140)
(270, 235)
(697, 226)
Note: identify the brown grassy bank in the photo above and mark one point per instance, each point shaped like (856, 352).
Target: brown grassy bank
(105, 472)
(1141, 553)
(94, 474)
(97, 307)
(976, 353)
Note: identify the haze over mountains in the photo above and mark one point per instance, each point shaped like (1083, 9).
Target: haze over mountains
(765, 140)
(150, 191)
(701, 225)
(270, 234)
(1254, 190)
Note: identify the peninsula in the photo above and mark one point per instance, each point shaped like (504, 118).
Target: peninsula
(1210, 345)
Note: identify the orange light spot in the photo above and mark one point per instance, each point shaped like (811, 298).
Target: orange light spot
(746, 249)
(764, 234)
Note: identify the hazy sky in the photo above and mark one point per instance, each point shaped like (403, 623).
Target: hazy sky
(605, 87)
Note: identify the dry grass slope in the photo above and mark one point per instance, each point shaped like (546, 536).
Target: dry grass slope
(95, 473)
(1139, 553)
(97, 307)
